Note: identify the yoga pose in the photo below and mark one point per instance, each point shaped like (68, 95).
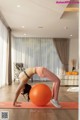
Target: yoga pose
(41, 72)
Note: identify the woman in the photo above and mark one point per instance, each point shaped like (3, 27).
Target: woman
(41, 72)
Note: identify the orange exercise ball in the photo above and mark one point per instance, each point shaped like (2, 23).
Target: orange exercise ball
(40, 94)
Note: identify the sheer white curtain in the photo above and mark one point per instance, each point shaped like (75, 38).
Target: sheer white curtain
(3, 53)
(36, 52)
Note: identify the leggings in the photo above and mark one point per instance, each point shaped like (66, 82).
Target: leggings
(44, 72)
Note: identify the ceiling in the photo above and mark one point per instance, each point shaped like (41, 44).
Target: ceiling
(40, 18)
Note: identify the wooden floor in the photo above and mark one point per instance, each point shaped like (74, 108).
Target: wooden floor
(7, 94)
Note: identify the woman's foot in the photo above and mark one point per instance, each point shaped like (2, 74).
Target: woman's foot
(55, 103)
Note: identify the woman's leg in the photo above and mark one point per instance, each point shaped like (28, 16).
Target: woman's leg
(55, 88)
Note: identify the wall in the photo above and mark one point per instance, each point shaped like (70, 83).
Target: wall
(74, 51)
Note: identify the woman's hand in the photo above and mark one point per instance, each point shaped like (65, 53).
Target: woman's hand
(17, 104)
(13, 103)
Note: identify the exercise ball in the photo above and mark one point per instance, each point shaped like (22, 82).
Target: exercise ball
(40, 94)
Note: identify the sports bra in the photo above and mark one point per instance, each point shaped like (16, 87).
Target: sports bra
(26, 74)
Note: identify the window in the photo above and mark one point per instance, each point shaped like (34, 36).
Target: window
(36, 52)
(3, 53)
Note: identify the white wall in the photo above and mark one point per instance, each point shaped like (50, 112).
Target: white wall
(74, 51)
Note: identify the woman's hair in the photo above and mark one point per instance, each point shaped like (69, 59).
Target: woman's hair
(26, 90)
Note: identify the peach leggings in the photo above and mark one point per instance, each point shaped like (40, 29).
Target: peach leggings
(44, 72)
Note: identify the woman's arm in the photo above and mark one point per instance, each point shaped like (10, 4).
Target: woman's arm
(21, 85)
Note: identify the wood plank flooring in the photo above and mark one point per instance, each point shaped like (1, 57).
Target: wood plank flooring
(7, 94)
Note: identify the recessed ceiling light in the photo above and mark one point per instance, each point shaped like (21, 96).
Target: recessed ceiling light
(71, 35)
(22, 26)
(25, 34)
(18, 6)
